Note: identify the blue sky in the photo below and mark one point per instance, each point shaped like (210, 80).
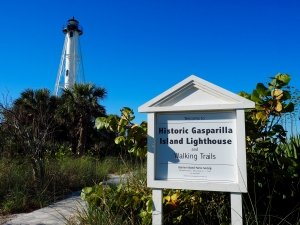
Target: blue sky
(138, 49)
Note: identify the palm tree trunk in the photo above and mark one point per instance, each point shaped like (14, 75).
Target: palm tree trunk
(34, 169)
(81, 147)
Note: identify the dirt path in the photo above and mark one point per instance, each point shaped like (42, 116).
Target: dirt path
(4, 219)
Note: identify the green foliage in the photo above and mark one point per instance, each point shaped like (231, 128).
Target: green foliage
(288, 159)
(133, 197)
(195, 207)
(59, 154)
(30, 122)
(130, 135)
(36, 124)
(77, 109)
(272, 161)
(263, 130)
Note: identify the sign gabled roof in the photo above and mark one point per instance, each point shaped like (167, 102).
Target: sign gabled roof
(195, 94)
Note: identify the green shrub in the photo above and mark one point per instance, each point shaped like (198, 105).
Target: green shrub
(272, 170)
(132, 201)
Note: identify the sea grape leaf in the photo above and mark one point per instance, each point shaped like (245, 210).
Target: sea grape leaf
(278, 107)
(262, 90)
(277, 93)
(285, 78)
(255, 97)
(100, 123)
(289, 107)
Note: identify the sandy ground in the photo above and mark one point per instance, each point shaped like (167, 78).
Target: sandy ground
(4, 219)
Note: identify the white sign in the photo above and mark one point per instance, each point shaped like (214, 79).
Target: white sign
(196, 147)
(196, 141)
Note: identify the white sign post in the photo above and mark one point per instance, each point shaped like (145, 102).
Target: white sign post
(196, 141)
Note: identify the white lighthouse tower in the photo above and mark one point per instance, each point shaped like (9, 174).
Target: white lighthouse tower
(70, 70)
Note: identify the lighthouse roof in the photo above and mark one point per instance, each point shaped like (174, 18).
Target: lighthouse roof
(73, 20)
(72, 25)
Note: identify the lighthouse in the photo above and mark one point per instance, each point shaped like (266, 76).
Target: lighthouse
(70, 70)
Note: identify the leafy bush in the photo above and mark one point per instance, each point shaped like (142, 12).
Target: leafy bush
(272, 171)
(131, 202)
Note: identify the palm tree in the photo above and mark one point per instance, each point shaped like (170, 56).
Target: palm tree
(78, 108)
(36, 103)
(30, 122)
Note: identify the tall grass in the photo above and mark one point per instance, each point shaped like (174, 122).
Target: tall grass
(196, 207)
(20, 193)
